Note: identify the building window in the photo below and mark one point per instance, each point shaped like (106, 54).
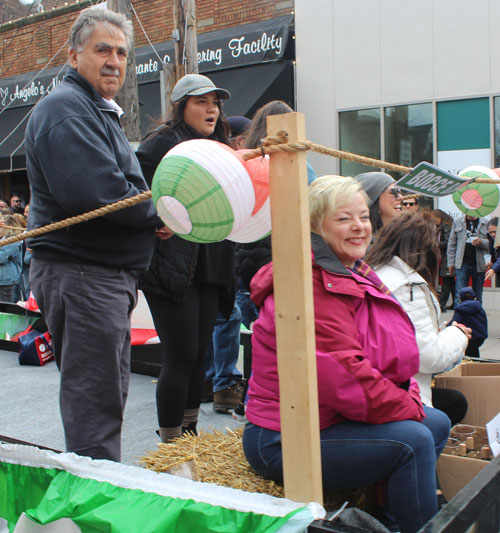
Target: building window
(496, 104)
(408, 135)
(360, 134)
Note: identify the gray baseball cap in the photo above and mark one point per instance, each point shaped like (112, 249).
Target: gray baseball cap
(194, 85)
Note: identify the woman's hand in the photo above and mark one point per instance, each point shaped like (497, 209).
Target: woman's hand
(464, 329)
(489, 274)
(164, 233)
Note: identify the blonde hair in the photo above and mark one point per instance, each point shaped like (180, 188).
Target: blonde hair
(9, 220)
(327, 193)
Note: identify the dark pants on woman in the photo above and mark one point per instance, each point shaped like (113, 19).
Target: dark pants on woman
(185, 330)
(356, 454)
(450, 401)
(472, 349)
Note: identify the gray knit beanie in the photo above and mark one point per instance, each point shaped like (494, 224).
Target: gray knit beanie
(374, 184)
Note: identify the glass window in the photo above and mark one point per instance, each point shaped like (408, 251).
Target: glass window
(409, 138)
(496, 105)
(408, 134)
(359, 134)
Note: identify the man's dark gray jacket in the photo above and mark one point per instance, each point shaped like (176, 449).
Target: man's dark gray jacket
(78, 159)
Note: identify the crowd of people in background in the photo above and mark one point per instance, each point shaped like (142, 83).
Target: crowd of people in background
(15, 258)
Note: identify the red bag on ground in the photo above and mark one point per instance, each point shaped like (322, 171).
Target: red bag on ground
(36, 348)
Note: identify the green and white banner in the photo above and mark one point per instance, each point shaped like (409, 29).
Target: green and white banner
(430, 180)
(46, 492)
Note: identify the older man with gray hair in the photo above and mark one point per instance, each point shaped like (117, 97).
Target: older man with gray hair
(79, 159)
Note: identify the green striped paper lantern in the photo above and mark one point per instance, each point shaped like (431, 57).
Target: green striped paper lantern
(203, 191)
(477, 199)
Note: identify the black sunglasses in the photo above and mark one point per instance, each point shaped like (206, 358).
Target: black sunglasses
(406, 204)
(396, 192)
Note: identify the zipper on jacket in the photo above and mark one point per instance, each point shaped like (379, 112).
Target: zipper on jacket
(411, 288)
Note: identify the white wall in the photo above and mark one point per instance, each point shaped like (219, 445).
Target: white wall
(361, 53)
(314, 77)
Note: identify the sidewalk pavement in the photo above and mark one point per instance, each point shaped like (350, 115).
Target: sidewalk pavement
(30, 411)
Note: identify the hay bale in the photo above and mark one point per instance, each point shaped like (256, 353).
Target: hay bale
(216, 457)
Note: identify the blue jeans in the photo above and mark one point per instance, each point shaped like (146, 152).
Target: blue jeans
(355, 454)
(249, 311)
(222, 354)
(463, 274)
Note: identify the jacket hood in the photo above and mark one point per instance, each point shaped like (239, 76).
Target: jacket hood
(262, 283)
(469, 306)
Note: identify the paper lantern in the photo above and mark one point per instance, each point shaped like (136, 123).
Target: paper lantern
(258, 169)
(205, 192)
(202, 191)
(477, 199)
(259, 224)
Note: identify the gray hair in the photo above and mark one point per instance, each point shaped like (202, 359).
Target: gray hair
(85, 25)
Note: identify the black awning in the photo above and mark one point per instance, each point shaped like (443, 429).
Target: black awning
(13, 125)
(252, 87)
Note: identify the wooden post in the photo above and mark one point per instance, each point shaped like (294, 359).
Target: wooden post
(167, 82)
(179, 38)
(191, 41)
(186, 48)
(293, 294)
(128, 96)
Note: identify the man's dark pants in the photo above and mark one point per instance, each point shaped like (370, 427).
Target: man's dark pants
(87, 309)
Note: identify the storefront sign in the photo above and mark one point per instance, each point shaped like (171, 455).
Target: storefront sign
(238, 46)
(429, 180)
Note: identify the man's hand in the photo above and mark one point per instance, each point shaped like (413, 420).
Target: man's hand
(451, 270)
(164, 233)
(476, 242)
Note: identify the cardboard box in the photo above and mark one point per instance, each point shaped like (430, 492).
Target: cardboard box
(455, 472)
(480, 383)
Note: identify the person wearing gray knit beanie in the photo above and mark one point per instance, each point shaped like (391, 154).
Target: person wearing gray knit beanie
(384, 198)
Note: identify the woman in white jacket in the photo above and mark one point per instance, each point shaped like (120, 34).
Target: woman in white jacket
(406, 256)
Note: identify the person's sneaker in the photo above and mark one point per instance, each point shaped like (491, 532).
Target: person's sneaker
(227, 399)
(208, 392)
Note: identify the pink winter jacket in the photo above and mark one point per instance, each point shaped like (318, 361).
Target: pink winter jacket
(366, 351)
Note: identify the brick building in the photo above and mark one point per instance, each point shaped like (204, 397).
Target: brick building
(245, 47)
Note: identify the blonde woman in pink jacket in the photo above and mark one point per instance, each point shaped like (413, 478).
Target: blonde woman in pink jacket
(372, 421)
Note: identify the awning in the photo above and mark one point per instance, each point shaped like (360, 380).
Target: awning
(13, 125)
(250, 87)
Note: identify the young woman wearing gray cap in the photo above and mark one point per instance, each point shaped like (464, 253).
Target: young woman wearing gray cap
(384, 198)
(187, 282)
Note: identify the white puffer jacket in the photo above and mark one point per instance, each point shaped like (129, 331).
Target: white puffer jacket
(439, 349)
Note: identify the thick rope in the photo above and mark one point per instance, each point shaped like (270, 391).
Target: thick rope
(269, 145)
(101, 211)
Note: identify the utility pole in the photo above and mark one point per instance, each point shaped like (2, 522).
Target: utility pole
(186, 50)
(128, 96)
